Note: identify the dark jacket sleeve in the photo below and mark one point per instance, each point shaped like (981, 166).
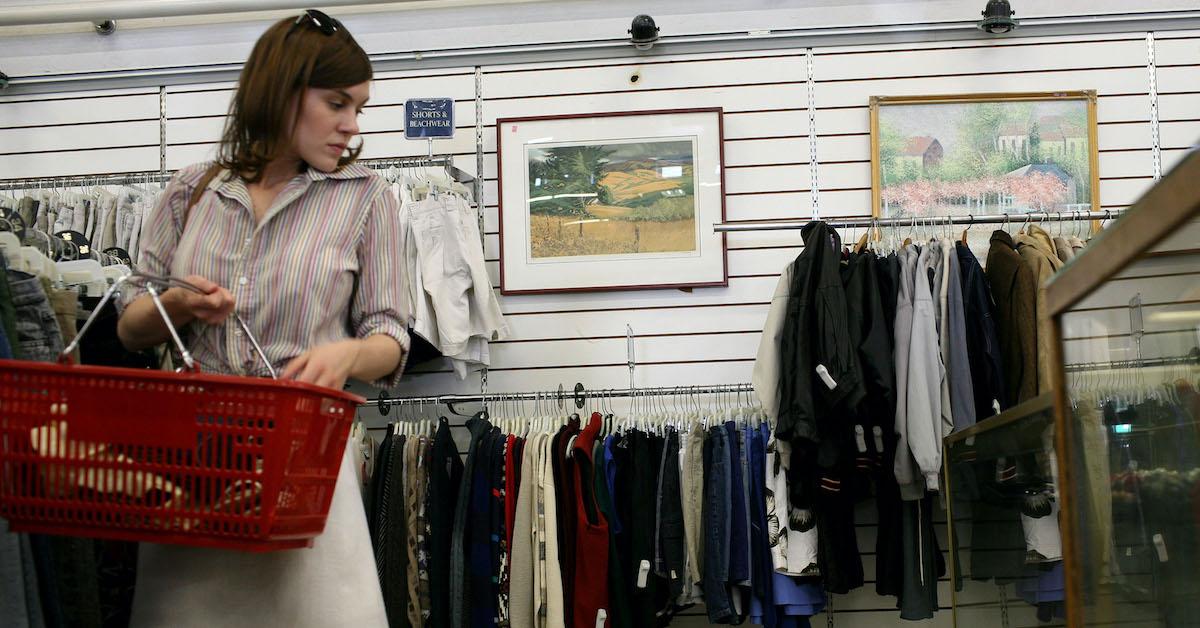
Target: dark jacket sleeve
(796, 416)
(834, 351)
(983, 344)
(875, 353)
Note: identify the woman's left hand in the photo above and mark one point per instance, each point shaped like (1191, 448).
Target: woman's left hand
(328, 365)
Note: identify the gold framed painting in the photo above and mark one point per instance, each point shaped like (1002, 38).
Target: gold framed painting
(976, 154)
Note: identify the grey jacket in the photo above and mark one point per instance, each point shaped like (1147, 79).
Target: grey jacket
(904, 465)
(954, 344)
(918, 379)
(938, 288)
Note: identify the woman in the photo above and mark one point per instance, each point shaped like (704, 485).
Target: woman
(285, 229)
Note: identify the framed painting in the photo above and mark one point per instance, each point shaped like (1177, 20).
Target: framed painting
(611, 201)
(984, 154)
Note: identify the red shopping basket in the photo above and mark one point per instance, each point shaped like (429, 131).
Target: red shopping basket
(185, 458)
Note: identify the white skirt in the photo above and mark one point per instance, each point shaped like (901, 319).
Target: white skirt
(332, 584)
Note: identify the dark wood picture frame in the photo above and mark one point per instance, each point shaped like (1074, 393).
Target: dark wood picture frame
(506, 287)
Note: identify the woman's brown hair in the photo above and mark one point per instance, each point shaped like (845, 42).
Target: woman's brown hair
(291, 56)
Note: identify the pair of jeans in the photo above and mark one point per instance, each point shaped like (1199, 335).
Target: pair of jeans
(762, 564)
(8, 313)
(459, 613)
(717, 509)
(669, 559)
(39, 338)
(5, 348)
(65, 304)
(739, 531)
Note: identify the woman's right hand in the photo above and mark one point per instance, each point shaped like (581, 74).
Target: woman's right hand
(212, 307)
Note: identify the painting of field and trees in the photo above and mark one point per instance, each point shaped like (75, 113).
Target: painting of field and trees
(983, 155)
(617, 198)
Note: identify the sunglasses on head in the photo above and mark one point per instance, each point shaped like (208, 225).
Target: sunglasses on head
(318, 19)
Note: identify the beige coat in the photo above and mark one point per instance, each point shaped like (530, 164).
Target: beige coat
(555, 603)
(1037, 251)
(521, 609)
(766, 363)
(693, 502)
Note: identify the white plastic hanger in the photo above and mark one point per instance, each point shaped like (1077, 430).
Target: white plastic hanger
(88, 274)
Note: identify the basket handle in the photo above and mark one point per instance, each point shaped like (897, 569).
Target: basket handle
(154, 285)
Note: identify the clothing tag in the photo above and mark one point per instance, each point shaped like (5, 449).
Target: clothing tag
(1161, 546)
(995, 406)
(674, 576)
(643, 573)
(601, 617)
(878, 432)
(860, 439)
(824, 374)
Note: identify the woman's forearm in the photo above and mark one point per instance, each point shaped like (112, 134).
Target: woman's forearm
(141, 326)
(378, 356)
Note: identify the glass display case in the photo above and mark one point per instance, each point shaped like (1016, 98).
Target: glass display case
(1125, 318)
(1007, 562)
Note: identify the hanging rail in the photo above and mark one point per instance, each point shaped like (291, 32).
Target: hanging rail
(922, 221)
(578, 395)
(155, 176)
(1191, 358)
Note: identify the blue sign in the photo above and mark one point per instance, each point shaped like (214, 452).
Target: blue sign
(427, 118)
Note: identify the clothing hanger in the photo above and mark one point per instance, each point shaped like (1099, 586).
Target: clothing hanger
(861, 245)
(1028, 219)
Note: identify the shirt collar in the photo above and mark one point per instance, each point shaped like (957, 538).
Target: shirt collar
(227, 179)
(350, 171)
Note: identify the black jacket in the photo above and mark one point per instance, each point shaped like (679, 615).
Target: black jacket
(983, 342)
(868, 327)
(820, 378)
(445, 477)
(816, 334)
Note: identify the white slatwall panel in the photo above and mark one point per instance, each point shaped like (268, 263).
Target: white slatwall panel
(98, 132)
(709, 335)
(196, 115)
(1177, 56)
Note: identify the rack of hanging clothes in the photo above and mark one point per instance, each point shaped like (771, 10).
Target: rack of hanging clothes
(109, 220)
(875, 350)
(49, 285)
(567, 510)
(1138, 420)
(86, 210)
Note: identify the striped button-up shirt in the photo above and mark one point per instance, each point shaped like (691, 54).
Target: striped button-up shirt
(316, 269)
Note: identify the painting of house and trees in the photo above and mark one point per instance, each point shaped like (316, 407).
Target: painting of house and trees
(615, 198)
(986, 154)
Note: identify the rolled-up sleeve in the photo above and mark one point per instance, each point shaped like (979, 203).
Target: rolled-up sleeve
(161, 230)
(379, 302)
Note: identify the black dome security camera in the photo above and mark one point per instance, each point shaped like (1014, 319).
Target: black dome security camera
(643, 32)
(998, 18)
